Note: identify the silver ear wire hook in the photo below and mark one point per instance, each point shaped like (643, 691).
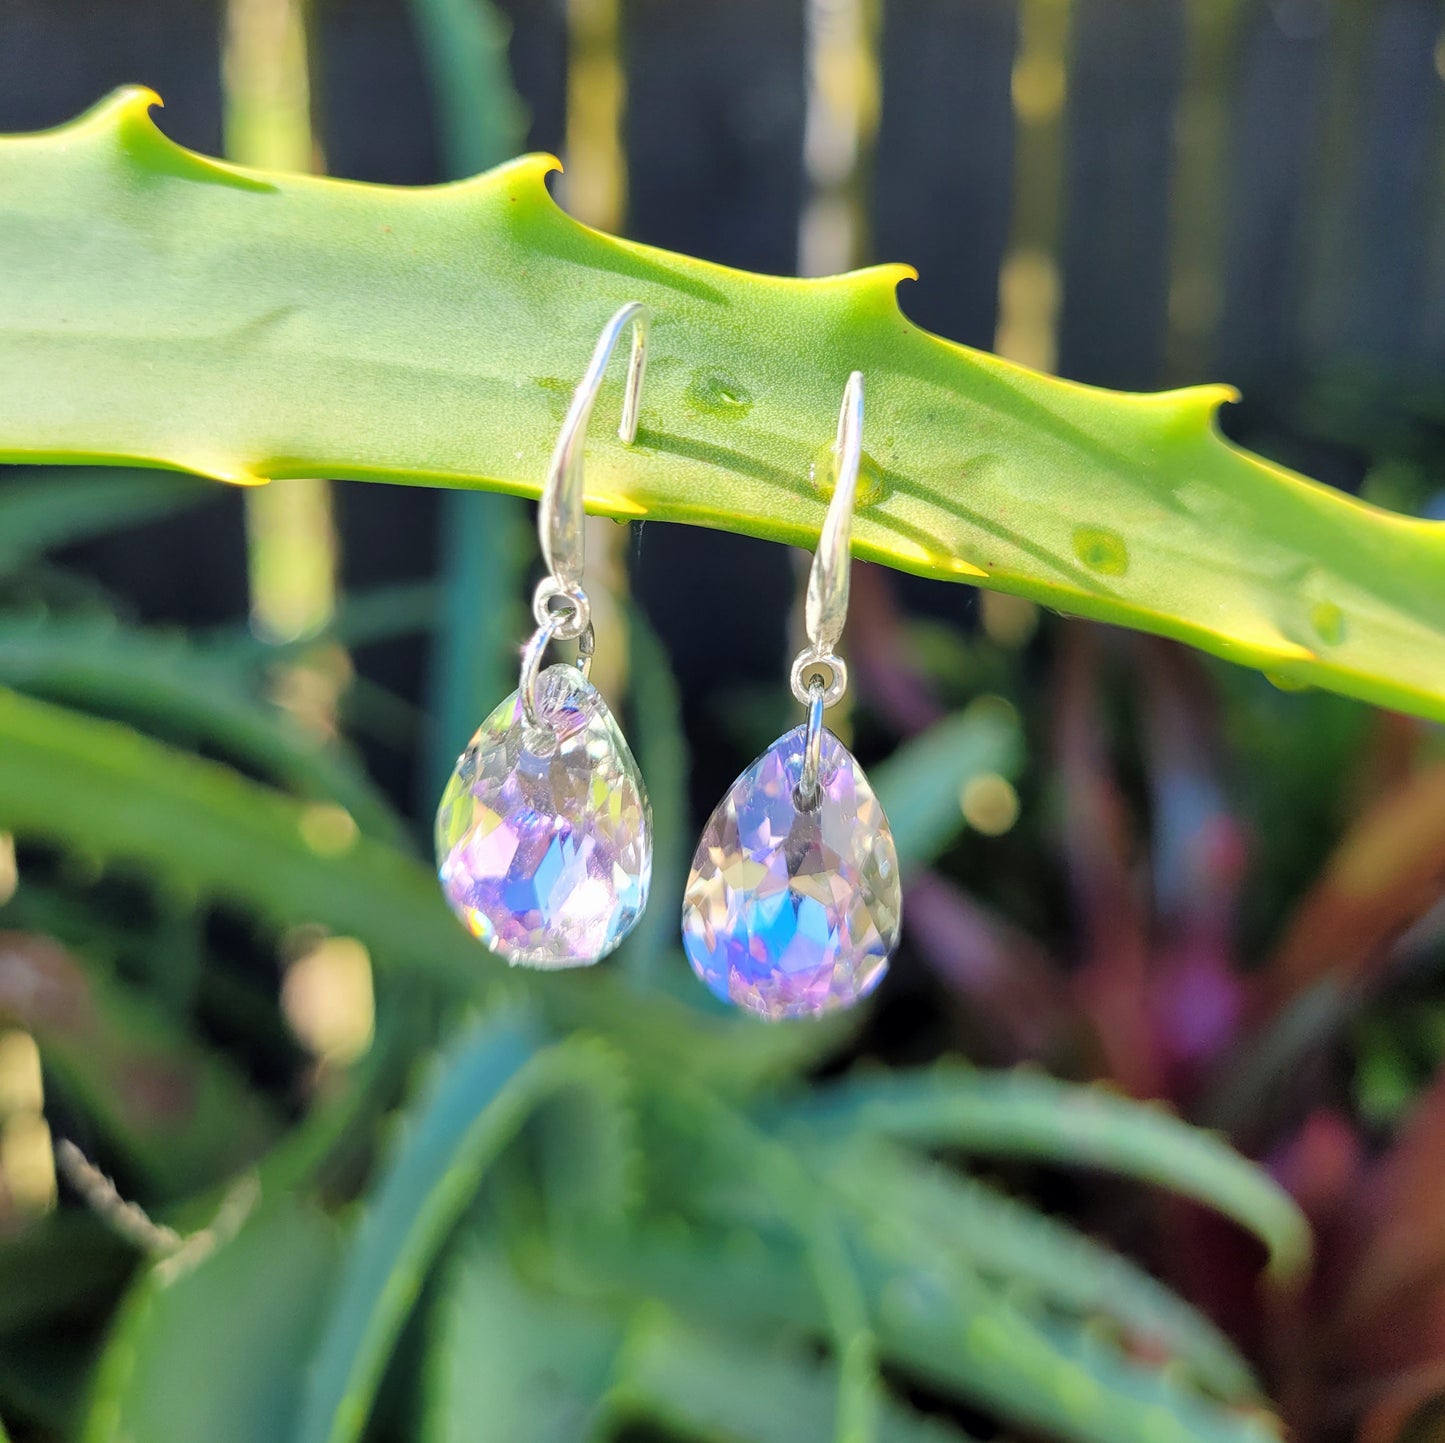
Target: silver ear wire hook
(559, 605)
(819, 677)
(560, 513)
(827, 605)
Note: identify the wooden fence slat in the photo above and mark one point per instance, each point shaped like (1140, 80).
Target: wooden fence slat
(58, 57)
(1398, 183)
(1431, 339)
(1125, 70)
(1275, 131)
(944, 162)
(537, 54)
(943, 185)
(372, 99)
(713, 130)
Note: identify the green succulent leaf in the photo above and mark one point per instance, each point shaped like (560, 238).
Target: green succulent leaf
(931, 1306)
(514, 1362)
(1023, 1114)
(937, 1318)
(205, 694)
(485, 1088)
(162, 308)
(211, 1351)
(1029, 1253)
(718, 1389)
(471, 1111)
(202, 829)
(1065, 1380)
(937, 1321)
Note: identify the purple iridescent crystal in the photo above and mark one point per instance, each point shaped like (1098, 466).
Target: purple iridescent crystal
(792, 911)
(544, 834)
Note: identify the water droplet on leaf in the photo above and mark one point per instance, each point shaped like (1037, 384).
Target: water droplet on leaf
(1328, 621)
(718, 394)
(871, 486)
(1281, 682)
(1101, 550)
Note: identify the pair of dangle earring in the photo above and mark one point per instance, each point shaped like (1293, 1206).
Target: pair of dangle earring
(544, 833)
(792, 908)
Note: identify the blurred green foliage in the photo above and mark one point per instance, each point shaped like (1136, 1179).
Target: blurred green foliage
(657, 1178)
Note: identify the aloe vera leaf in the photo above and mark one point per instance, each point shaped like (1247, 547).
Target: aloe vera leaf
(214, 1350)
(1020, 1249)
(485, 1087)
(162, 308)
(205, 694)
(201, 829)
(1023, 1114)
(723, 1389)
(513, 1362)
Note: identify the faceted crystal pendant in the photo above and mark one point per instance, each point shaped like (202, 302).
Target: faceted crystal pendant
(544, 834)
(793, 911)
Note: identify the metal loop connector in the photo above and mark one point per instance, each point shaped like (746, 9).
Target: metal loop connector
(570, 618)
(561, 511)
(532, 654)
(807, 793)
(829, 672)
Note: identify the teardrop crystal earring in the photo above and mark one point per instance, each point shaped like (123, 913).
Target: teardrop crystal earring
(544, 833)
(792, 907)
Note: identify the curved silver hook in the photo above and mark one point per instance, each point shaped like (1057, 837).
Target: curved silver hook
(826, 609)
(827, 605)
(560, 513)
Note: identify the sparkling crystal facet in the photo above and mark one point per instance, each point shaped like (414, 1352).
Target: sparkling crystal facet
(791, 912)
(544, 835)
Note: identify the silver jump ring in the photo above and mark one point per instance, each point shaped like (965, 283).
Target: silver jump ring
(567, 621)
(827, 669)
(532, 654)
(812, 745)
